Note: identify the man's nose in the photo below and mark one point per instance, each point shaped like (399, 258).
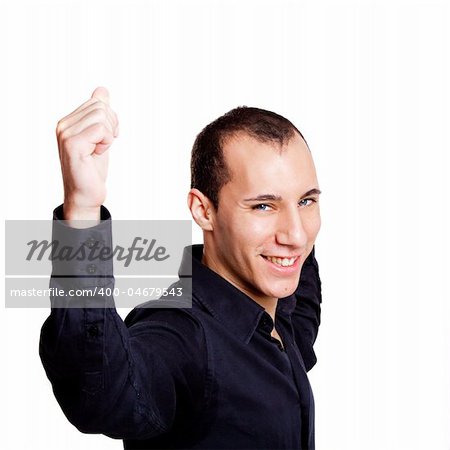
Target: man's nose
(290, 230)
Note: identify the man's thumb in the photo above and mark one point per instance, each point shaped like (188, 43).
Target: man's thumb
(102, 94)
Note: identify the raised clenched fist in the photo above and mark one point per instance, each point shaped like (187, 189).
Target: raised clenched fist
(84, 137)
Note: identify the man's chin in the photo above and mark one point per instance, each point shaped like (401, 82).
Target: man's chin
(287, 288)
(284, 291)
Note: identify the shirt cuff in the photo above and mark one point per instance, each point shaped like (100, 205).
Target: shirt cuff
(82, 253)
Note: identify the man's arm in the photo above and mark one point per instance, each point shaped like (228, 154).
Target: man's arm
(306, 317)
(108, 378)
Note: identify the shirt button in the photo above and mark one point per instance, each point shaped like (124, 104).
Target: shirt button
(90, 243)
(91, 268)
(92, 331)
(266, 324)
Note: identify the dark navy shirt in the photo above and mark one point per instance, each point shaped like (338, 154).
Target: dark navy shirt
(209, 376)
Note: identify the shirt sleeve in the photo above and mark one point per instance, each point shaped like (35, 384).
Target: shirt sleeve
(130, 380)
(306, 316)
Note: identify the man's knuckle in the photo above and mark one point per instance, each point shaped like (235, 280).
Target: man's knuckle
(99, 115)
(99, 127)
(64, 135)
(100, 105)
(60, 127)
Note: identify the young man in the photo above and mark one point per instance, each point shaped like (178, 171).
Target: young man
(229, 372)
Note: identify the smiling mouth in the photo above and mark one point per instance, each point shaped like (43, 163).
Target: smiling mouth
(283, 262)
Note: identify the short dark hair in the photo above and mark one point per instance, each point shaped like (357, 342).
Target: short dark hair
(209, 172)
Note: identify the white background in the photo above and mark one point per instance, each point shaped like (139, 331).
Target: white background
(368, 85)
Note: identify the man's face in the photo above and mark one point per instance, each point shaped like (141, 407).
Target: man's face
(265, 225)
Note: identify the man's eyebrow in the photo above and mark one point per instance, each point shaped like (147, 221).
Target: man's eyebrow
(264, 197)
(277, 198)
(314, 191)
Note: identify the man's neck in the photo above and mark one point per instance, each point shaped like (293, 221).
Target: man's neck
(270, 305)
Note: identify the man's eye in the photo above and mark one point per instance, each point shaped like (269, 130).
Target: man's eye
(261, 207)
(305, 200)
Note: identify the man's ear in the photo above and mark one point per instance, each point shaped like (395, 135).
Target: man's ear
(201, 209)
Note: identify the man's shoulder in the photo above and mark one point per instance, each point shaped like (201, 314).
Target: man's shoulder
(173, 309)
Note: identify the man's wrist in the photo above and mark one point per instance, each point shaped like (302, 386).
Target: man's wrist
(81, 217)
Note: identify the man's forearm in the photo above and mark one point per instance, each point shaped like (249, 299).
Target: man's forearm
(85, 350)
(306, 316)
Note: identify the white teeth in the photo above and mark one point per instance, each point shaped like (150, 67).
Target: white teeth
(285, 262)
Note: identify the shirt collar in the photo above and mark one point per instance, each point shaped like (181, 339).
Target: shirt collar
(224, 301)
